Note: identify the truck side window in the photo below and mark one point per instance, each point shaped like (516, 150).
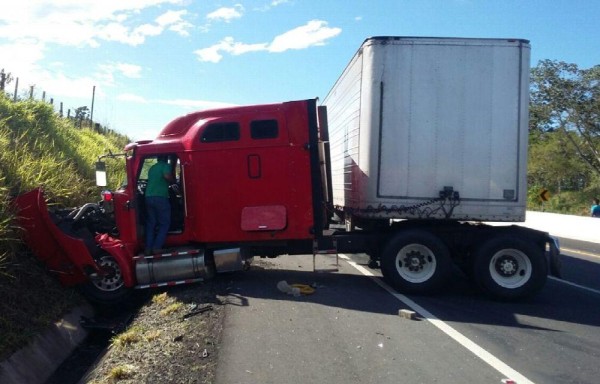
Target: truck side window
(148, 162)
(221, 132)
(264, 129)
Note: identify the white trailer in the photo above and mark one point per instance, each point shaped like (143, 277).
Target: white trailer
(411, 117)
(427, 139)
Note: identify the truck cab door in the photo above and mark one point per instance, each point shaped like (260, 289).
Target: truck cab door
(176, 194)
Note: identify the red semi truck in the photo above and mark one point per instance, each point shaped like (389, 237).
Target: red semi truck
(267, 180)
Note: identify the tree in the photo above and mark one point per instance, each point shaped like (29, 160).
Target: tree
(566, 100)
(556, 166)
(5, 78)
(81, 114)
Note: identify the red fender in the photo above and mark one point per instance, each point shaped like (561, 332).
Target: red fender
(122, 254)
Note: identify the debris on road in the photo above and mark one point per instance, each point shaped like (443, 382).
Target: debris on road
(295, 289)
(197, 311)
(407, 314)
(284, 287)
(304, 289)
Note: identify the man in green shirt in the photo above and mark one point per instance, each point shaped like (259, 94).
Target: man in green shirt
(158, 209)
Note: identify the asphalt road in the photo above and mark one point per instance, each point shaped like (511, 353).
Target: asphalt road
(581, 263)
(349, 330)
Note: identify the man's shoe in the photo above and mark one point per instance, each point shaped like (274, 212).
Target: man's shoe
(147, 252)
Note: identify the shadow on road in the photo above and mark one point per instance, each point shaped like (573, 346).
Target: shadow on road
(459, 302)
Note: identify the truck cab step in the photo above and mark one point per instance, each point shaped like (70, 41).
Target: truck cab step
(169, 283)
(331, 249)
(167, 253)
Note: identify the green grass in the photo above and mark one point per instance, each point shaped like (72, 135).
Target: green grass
(38, 148)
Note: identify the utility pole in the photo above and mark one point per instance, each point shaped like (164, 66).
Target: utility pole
(92, 111)
(16, 89)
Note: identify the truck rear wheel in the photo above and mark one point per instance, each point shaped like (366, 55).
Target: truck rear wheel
(107, 289)
(416, 261)
(509, 267)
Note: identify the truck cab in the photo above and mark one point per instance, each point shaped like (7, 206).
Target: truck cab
(247, 182)
(242, 174)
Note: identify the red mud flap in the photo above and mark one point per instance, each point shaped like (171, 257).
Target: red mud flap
(62, 254)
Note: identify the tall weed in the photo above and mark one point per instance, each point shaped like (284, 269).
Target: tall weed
(38, 148)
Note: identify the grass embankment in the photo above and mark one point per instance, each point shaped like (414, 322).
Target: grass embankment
(38, 148)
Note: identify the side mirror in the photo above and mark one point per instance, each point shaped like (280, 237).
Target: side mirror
(101, 174)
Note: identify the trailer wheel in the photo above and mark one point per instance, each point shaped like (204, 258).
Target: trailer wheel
(509, 267)
(107, 289)
(416, 261)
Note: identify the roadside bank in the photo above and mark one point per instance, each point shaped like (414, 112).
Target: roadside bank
(36, 362)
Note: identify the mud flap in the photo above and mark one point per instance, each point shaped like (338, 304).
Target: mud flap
(554, 257)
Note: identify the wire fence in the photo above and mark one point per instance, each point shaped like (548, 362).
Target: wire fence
(81, 117)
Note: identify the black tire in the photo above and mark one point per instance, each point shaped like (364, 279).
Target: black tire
(109, 289)
(416, 262)
(509, 267)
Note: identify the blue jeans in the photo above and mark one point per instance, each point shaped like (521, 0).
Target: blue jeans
(158, 220)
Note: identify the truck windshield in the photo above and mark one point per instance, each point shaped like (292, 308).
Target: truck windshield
(173, 161)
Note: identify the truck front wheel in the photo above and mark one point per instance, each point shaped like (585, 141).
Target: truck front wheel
(416, 262)
(509, 267)
(108, 288)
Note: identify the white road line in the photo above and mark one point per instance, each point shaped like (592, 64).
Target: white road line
(594, 255)
(574, 285)
(484, 355)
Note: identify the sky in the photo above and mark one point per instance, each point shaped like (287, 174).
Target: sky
(146, 62)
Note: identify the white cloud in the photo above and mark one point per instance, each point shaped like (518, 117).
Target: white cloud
(188, 104)
(173, 21)
(128, 70)
(86, 22)
(33, 27)
(128, 97)
(23, 55)
(212, 54)
(226, 14)
(313, 33)
(64, 86)
(195, 104)
(272, 4)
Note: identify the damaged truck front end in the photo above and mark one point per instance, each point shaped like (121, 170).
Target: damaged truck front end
(77, 246)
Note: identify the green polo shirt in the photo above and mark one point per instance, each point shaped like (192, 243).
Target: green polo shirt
(158, 186)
